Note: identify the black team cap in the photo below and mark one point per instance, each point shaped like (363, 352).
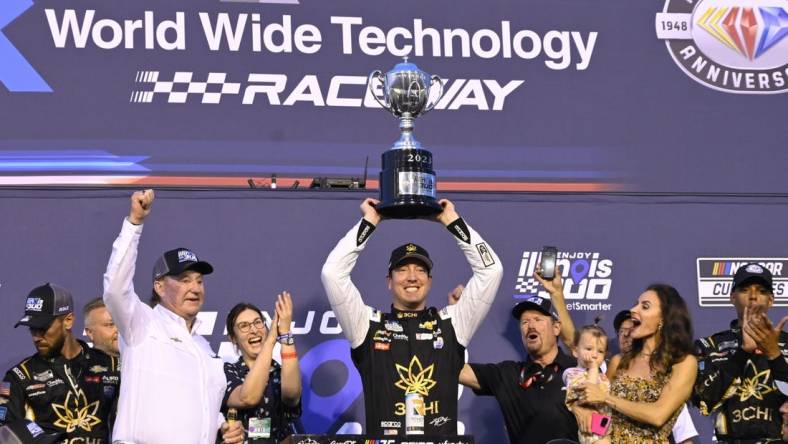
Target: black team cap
(752, 273)
(44, 304)
(409, 252)
(537, 303)
(175, 262)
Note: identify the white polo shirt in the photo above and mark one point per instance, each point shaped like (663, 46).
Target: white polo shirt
(172, 383)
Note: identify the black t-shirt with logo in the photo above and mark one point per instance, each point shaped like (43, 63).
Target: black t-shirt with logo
(533, 415)
(77, 397)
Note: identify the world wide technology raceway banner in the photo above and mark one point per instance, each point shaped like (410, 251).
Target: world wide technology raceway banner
(661, 96)
(264, 241)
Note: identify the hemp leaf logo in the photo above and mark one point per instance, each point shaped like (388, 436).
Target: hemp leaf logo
(415, 378)
(75, 412)
(755, 386)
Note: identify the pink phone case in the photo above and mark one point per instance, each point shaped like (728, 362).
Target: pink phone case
(599, 424)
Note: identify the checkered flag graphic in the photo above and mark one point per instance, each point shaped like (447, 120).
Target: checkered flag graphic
(182, 85)
(527, 285)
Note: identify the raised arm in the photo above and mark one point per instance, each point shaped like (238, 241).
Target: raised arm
(479, 293)
(767, 341)
(556, 289)
(291, 376)
(128, 312)
(722, 366)
(673, 396)
(344, 297)
(717, 373)
(247, 392)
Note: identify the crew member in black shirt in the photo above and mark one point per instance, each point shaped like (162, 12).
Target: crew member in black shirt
(530, 393)
(67, 387)
(741, 370)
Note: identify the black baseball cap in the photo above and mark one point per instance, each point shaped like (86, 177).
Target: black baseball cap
(26, 432)
(753, 273)
(44, 304)
(537, 303)
(175, 262)
(622, 316)
(409, 252)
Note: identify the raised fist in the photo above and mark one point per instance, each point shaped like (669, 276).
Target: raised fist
(141, 202)
(369, 212)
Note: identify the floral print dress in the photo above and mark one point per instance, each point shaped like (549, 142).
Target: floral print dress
(636, 389)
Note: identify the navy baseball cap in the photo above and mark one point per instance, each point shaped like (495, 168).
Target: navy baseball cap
(409, 252)
(44, 304)
(753, 273)
(175, 262)
(537, 303)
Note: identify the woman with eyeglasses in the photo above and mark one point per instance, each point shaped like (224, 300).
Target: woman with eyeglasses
(652, 381)
(266, 395)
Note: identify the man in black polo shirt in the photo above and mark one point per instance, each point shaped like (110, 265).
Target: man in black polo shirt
(530, 393)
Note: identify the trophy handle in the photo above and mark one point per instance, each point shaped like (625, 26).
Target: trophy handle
(434, 78)
(377, 74)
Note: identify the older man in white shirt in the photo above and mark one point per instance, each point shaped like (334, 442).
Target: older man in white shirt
(173, 382)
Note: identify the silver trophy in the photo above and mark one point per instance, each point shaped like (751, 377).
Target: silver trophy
(407, 181)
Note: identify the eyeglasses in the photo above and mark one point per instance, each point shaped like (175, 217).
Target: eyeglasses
(244, 327)
(538, 378)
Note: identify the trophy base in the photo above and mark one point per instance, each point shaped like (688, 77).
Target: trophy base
(410, 207)
(407, 185)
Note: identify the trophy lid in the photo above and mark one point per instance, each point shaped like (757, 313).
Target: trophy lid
(405, 65)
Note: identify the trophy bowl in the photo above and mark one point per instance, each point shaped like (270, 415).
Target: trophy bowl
(407, 180)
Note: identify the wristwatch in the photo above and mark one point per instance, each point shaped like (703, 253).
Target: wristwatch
(286, 339)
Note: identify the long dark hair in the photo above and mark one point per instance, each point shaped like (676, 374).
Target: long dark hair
(675, 337)
(237, 310)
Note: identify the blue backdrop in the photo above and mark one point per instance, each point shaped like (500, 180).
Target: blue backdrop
(262, 242)
(645, 139)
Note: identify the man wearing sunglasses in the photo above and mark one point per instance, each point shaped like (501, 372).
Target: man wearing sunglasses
(530, 393)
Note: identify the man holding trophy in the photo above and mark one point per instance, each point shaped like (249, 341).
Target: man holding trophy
(410, 357)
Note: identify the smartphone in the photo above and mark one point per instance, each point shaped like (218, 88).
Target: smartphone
(599, 423)
(549, 255)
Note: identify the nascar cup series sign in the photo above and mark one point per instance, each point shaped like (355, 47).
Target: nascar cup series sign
(587, 279)
(735, 46)
(715, 277)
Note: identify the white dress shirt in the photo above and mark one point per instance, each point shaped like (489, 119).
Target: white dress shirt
(172, 382)
(684, 428)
